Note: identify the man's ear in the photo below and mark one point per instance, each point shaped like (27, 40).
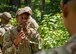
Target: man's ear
(64, 9)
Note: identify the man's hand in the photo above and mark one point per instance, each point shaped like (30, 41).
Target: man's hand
(19, 38)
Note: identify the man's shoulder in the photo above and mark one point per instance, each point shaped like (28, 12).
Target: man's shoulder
(9, 26)
(33, 22)
(57, 50)
(9, 32)
(31, 19)
(14, 30)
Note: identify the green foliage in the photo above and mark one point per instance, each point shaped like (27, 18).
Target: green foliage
(52, 7)
(52, 31)
(13, 21)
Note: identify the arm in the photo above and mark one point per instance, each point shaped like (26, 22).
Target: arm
(37, 45)
(35, 37)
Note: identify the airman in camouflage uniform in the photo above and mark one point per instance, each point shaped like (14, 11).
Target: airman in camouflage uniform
(23, 39)
(4, 26)
(69, 17)
(5, 18)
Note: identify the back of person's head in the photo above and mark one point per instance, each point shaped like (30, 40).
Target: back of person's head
(65, 1)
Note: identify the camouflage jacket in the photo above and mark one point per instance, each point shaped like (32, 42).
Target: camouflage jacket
(27, 46)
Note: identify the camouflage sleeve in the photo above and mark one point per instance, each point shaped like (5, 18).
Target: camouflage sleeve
(37, 44)
(35, 36)
(7, 44)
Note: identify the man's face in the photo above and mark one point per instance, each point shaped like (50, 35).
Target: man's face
(69, 16)
(22, 19)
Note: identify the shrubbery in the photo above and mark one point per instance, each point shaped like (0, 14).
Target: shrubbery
(52, 31)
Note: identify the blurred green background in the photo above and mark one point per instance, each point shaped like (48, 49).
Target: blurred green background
(48, 15)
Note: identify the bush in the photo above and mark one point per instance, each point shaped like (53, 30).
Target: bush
(52, 31)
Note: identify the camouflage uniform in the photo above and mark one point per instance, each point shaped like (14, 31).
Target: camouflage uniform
(4, 27)
(29, 45)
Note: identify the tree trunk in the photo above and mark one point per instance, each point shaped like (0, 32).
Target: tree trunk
(30, 3)
(42, 9)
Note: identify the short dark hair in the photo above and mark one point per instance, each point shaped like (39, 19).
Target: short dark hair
(65, 1)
